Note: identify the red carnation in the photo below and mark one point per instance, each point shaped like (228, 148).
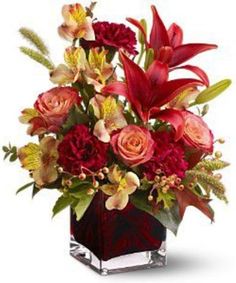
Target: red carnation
(80, 148)
(112, 35)
(168, 156)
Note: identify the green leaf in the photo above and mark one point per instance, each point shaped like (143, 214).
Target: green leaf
(34, 39)
(62, 203)
(6, 155)
(5, 148)
(212, 92)
(76, 116)
(35, 191)
(80, 194)
(24, 187)
(13, 157)
(169, 218)
(38, 57)
(167, 198)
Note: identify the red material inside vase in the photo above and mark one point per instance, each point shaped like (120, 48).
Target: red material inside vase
(109, 234)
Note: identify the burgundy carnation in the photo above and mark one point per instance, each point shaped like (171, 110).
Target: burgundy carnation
(168, 156)
(81, 148)
(112, 35)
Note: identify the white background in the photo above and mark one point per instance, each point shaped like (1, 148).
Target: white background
(34, 248)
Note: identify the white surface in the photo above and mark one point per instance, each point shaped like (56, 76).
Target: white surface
(33, 248)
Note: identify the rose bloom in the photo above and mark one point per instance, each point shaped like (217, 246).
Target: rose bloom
(54, 105)
(197, 133)
(133, 144)
(80, 148)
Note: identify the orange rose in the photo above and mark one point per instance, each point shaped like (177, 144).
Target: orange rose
(134, 145)
(50, 110)
(197, 133)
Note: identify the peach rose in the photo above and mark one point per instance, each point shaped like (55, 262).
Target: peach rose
(133, 144)
(54, 105)
(197, 133)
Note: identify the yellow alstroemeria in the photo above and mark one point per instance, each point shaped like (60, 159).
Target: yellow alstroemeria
(110, 115)
(95, 70)
(27, 115)
(122, 185)
(76, 62)
(41, 160)
(99, 69)
(76, 23)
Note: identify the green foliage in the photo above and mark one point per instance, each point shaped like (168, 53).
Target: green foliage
(167, 198)
(34, 39)
(211, 165)
(149, 58)
(24, 187)
(38, 57)
(211, 181)
(170, 218)
(80, 193)
(212, 92)
(11, 152)
(63, 202)
(76, 116)
(35, 191)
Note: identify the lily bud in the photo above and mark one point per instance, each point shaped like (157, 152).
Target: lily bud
(141, 38)
(149, 58)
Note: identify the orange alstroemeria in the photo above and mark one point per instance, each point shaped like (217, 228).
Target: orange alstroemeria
(121, 186)
(76, 23)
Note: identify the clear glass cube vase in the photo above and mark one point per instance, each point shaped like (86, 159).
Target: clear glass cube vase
(117, 241)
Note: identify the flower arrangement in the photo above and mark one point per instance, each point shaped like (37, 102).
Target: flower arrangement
(136, 137)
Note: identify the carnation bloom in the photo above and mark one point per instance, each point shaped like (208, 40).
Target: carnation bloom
(41, 160)
(121, 186)
(168, 156)
(197, 133)
(133, 145)
(81, 149)
(77, 24)
(114, 36)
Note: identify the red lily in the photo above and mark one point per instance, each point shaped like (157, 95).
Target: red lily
(168, 45)
(149, 91)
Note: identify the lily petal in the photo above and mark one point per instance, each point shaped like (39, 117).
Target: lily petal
(175, 118)
(196, 70)
(169, 90)
(159, 36)
(139, 87)
(118, 88)
(185, 52)
(158, 73)
(175, 34)
(140, 27)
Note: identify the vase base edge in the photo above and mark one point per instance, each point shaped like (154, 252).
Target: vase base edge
(124, 263)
